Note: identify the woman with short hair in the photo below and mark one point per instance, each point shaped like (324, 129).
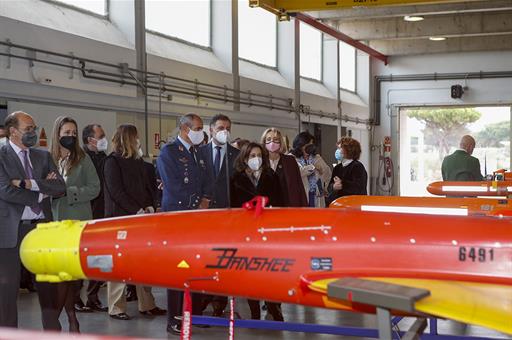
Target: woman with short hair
(349, 177)
(285, 167)
(254, 177)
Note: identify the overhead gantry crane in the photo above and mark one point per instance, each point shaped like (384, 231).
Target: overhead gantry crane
(284, 7)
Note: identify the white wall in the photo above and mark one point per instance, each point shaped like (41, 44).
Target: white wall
(45, 116)
(52, 87)
(431, 93)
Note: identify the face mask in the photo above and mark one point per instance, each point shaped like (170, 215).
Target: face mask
(196, 137)
(102, 144)
(68, 142)
(310, 149)
(3, 141)
(140, 153)
(338, 155)
(255, 163)
(222, 136)
(29, 139)
(273, 147)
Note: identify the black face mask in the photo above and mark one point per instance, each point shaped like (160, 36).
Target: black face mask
(68, 142)
(310, 149)
(29, 139)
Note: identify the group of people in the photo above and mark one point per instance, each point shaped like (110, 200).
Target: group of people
(82, 182)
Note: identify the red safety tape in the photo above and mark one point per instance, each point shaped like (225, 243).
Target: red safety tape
(186, 323)
(231, 318)
(257, 204)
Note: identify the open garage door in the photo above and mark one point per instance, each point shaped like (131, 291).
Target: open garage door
(429, 134)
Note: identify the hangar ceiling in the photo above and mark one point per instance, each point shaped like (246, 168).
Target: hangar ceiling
(478, 25)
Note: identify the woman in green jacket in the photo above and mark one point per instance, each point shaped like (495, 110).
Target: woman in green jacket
(82, 186)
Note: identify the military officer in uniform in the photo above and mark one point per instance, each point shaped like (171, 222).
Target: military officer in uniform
(180, 174)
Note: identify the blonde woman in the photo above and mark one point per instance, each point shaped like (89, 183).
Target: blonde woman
(127, 192)
(82, 186)
(285, 167)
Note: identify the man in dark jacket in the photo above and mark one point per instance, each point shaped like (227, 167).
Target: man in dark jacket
(95, 145)
(212, 159)
(460, 165)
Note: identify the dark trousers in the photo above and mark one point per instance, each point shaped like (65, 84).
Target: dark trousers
(92, 292)
(10, 267)
(175, 305)
(219, 303)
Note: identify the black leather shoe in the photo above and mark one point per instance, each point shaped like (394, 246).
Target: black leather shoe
(218, 313)
(174, 328)
(96, 307)
(120, 316)
(154, 312)
(28, 286)
(81, 308)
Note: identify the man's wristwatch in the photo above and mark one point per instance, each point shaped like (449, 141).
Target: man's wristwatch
(22, 184)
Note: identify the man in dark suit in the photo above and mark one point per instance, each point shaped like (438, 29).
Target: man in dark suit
(213, 158)
(460, 165)
(28, 178)
(95, 145)
(212, 162)
(180, 174)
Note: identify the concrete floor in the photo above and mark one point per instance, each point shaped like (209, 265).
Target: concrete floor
(139, 326)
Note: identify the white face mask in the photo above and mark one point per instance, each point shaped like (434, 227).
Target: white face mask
(3, 141)
(102, 144)
(196, 137)
(255, 163)
(140, 153)
(222, 136)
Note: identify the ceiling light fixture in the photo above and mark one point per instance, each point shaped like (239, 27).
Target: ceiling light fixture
(437, 38)
(413, 18)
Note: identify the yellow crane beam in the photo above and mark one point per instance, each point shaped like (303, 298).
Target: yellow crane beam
(283, 7)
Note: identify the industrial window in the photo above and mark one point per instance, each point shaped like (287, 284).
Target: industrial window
(94, 6)
(257, 34)
(347, 67)
(310, 52)
(186, 20)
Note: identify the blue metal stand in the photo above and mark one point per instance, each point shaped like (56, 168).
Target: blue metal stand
(323, 329)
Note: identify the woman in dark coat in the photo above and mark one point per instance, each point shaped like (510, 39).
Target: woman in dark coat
(286, 169)
(349, 177)
(254, 177)
(128, 191)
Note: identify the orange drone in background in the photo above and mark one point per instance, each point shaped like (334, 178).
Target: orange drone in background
(447, 206)
(471, 189)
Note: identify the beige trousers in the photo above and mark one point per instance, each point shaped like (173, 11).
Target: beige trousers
(117, 298)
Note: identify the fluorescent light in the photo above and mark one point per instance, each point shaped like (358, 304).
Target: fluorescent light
(413, 18)
(463, 188)
(437, 38)
(416, 210)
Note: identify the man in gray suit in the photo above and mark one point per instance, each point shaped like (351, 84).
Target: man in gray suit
(28, 178)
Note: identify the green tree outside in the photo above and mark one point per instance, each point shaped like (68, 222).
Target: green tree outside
(494, 134)
(445, 127)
